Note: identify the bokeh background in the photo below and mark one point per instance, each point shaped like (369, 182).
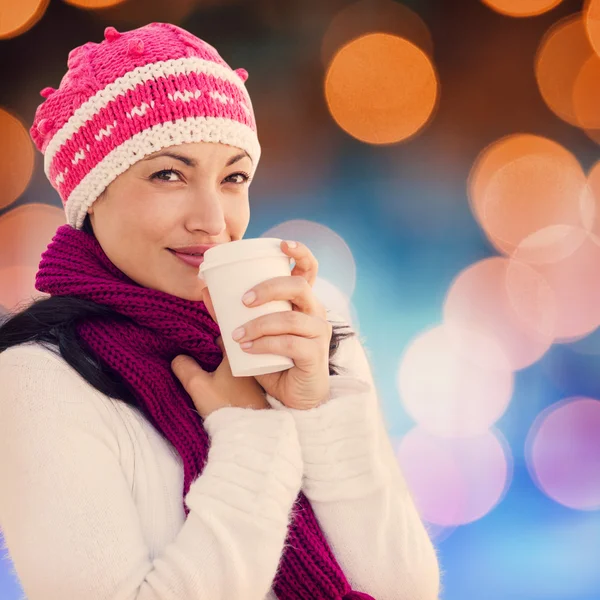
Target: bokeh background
(440, 158)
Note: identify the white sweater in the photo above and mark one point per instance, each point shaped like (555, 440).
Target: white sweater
(91, 494)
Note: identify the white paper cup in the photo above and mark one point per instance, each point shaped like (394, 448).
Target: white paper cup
(230, 270)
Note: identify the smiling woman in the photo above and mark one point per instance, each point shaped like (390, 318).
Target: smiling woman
(123, 433)
(191, 195)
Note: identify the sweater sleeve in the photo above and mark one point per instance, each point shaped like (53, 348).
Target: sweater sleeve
(68, 517)
(358, 493)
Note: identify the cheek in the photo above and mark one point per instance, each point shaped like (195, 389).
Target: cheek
(131, 230)
(238, 218)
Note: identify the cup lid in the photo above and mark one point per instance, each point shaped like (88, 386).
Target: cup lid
(238, 250)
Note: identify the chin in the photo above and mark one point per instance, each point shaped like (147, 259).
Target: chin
(191, 293)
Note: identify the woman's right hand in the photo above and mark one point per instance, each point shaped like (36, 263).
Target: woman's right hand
(211, 391)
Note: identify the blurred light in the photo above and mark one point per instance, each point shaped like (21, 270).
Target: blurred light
(585, 345)
(25, 233)
(438, 533)
(575, 284)
(586, 94)
(18, 17)
(455, 481)
(592, 23)
(16, 158)
(93, 4)
(523, 190)
(594, 183)
(336, 262)
(375, 16)
(17, 287)
(335, 300)
(593, 134)
(593, 179)
(381, 89)
(522, 8)
(141, 12)
(563, 452)
(445, 392)
(560, 57)
(506, 301)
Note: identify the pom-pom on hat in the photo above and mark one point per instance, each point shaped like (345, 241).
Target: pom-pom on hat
(131, 95)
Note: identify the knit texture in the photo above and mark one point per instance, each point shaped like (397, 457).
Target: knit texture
(131, 95)
(152, 328)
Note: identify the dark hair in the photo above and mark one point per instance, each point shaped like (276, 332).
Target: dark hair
(52, 322)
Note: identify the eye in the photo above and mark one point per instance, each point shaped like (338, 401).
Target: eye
(238, 178)
(158, 175)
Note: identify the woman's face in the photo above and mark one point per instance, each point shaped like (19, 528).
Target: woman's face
(179, 196)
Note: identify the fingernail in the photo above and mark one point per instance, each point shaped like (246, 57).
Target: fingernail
(238, 334)
(248, 297)
(291, 244)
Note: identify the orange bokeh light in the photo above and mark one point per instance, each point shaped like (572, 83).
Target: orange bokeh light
(93, 4)
(18, 17)
(526, 187)
(586, 94)
(575, 288)
(381, 89)
(561, 56)
(16, 158)
(369, 16)
(592, 23)
(507, 302)
(25, 232)
(522, 8)
(17, 287)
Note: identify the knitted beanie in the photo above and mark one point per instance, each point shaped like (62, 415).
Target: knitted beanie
(131, 95)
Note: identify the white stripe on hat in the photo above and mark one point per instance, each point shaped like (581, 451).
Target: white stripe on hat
(128, 82)
(184, 130)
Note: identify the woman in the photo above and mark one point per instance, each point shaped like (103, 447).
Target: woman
(133, 464)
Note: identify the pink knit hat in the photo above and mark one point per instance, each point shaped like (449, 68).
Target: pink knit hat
(131, 95)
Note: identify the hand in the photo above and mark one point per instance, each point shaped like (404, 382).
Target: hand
(211, 391)
(303, 334)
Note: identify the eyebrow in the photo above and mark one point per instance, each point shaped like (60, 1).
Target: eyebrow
(191, 162)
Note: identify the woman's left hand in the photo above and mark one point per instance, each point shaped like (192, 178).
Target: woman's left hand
(303, 334)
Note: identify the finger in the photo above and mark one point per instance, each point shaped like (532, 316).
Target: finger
(307, 265)
(294, 288)
(208, 303)
(187, 370)
(219, 342)
(285, 322)
(305, 352)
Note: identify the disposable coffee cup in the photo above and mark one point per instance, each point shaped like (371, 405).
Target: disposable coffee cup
(230, 270)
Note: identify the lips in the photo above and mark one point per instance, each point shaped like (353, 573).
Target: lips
(188, 259)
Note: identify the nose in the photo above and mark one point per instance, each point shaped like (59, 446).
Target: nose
(205, 213)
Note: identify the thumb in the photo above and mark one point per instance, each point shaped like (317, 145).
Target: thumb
(189, 372)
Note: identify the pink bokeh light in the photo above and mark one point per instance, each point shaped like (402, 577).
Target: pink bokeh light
(455, 481)
(508, 302)
(563, 452)
(448, 394)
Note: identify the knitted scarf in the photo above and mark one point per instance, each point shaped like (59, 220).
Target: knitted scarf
(140, 349)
